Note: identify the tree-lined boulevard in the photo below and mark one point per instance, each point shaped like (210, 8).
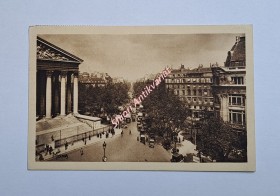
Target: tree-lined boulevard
(122, 148)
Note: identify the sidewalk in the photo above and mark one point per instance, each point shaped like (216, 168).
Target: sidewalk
(78, 145)
(186, 147)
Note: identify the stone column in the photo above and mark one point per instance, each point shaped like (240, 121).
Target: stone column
(75, 106)
(224, 107)
(69, 93)
(49, 95)
(56, 94)
(62, 93)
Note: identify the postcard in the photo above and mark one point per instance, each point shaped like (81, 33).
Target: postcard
(170, 98)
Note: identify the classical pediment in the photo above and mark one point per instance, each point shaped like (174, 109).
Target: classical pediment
(49, 52)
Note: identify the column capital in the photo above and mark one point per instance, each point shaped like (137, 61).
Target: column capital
(63, 74)
(49, 73)
(76, 74)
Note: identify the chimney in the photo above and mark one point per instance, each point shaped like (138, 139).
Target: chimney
(182, 66)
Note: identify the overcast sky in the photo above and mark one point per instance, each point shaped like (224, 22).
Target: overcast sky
(133, 56)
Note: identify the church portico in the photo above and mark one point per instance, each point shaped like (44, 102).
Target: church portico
(57, 81)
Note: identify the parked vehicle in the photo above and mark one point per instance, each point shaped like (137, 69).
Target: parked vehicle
(128, 120)
(61, 156)
(177, 158)
(139, 127)
(124, 125)
(133, 118)
(151, 143)
(143, 139)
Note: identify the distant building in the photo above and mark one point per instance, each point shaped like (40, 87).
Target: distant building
(84, 75)
(229, 87)
(193, 86)
(94, 80)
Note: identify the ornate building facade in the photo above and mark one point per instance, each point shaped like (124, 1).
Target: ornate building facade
(193, 86)
(57, 80)
(58, 121)
(229, 87)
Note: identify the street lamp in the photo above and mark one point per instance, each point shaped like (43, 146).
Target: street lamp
(104, 158)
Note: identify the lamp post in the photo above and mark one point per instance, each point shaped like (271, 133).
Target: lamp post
(104, 158)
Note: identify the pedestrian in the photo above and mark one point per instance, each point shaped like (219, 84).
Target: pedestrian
(52, 138)
(129, 131)
(66, 145)
(179, 140)
(82, 151)
(41, 158)
(50, 150)
(89, 138)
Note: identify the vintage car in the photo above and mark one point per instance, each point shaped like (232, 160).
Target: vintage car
(176, 157)
(143, 139)
(151, 143)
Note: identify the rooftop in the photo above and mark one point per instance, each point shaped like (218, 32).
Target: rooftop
(237, 52)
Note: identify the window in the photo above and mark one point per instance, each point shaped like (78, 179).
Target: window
(189, 91)
(194, 92)
(237, 117)
(236, 100)
(194, 99)
(199, 92)
(237, 80)
(184, 93)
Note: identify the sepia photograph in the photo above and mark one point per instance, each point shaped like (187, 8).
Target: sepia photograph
(141, 98)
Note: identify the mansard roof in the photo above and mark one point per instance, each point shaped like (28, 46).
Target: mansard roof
(49, 52)
(237, 52)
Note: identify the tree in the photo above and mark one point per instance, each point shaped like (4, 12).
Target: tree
(218, 140)
(103, 100)
(165, 110)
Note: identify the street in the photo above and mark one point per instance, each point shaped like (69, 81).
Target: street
(124, 148)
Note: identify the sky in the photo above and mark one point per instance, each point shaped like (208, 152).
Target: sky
(132, 56)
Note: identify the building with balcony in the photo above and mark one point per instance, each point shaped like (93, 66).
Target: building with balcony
(193, 86)
(229, 87)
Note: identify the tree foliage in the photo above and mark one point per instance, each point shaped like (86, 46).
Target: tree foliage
(166, 113)
(103, 100)
(218, 140)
